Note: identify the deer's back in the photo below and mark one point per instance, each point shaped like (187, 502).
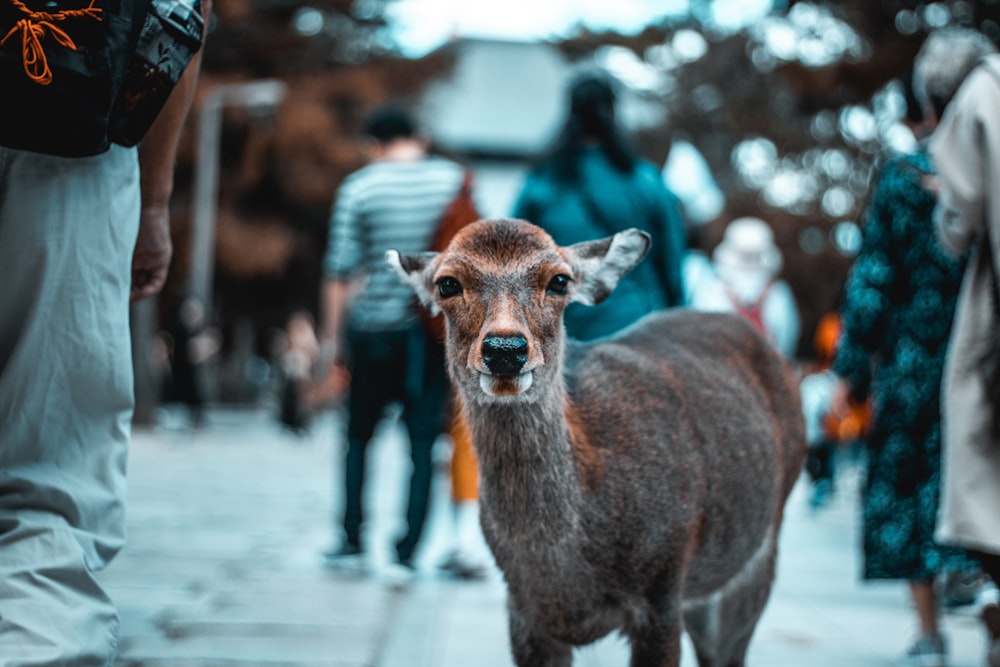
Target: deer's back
(695, 420)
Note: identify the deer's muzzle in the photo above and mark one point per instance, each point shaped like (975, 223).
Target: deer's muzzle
(505, 356)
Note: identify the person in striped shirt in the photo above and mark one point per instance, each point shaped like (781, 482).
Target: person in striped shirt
(395, 201)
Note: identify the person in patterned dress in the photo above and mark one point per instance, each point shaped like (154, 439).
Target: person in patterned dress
(899, 304)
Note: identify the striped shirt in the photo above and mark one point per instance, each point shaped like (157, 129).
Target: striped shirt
(387, 205)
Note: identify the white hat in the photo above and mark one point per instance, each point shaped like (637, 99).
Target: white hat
(748, 246)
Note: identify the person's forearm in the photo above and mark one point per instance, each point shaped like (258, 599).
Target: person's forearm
(158, 149)
(336, 294)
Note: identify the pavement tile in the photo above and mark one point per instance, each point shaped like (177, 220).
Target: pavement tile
(223, 567)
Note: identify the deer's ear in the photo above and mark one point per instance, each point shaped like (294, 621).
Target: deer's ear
(416, 269)
(599, 265)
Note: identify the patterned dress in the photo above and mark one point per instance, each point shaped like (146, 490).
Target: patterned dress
(897, 316)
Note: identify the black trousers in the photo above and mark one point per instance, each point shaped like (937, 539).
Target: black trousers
(388, 367)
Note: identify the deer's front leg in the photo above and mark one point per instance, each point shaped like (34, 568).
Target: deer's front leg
(656, 642)
(532, 647)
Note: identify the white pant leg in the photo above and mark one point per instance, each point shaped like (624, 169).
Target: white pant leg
(67, 230)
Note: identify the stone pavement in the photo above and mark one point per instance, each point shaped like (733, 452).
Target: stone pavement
(222, 568)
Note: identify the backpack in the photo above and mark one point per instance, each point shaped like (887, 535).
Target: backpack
(752, 312)
(79, 75)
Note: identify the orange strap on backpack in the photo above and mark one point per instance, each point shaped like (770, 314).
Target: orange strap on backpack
(33, 28)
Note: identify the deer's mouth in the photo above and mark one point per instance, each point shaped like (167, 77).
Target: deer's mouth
(506, 385)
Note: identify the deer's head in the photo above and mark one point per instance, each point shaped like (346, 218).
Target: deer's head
(503, 286)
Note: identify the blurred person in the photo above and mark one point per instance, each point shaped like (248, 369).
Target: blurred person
(592, 185)
(966, 153)
(193, 344)
(80, 237)
(960, 587)
(396, 201)
(297, 361)
(745, 280)
(827, 430)
(897, 314)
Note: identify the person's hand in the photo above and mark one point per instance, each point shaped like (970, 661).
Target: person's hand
(840, 402)
(338, 381)
(153, 249)
(328, 350)
(335, 375)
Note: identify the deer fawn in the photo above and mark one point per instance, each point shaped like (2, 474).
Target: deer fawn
(633, 483)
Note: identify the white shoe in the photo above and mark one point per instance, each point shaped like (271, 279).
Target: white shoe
(397, 575)
(463, 566)
(927, 651)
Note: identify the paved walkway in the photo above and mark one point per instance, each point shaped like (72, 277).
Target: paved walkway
(222, 567)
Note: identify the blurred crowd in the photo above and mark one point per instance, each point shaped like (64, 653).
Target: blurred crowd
(870, 384)
(871, 371)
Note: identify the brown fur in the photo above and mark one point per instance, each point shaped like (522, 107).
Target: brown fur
(635, 483)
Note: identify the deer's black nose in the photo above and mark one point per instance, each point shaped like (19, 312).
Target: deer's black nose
(505, 355)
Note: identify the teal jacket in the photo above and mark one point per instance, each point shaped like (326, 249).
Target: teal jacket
(606, 201)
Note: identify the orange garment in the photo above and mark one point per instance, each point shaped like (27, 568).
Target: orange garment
(825, 338)
(854, 424)
(851, 426)
(464, 467)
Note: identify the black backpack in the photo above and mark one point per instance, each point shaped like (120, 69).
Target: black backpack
(79, 75)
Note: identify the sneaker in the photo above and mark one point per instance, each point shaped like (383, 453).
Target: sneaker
(348, 557)
(927, 651)
(398, 574)
(462, 567)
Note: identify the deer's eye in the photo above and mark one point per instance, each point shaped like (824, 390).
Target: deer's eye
(558, 285)
(448, 287)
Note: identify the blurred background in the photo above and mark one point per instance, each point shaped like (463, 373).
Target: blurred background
(759, 107)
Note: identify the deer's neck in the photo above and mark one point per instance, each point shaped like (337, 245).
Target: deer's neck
(531, 467)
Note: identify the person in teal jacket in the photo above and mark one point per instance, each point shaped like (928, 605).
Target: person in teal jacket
(592, 185)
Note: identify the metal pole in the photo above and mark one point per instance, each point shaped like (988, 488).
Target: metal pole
(267, 93)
